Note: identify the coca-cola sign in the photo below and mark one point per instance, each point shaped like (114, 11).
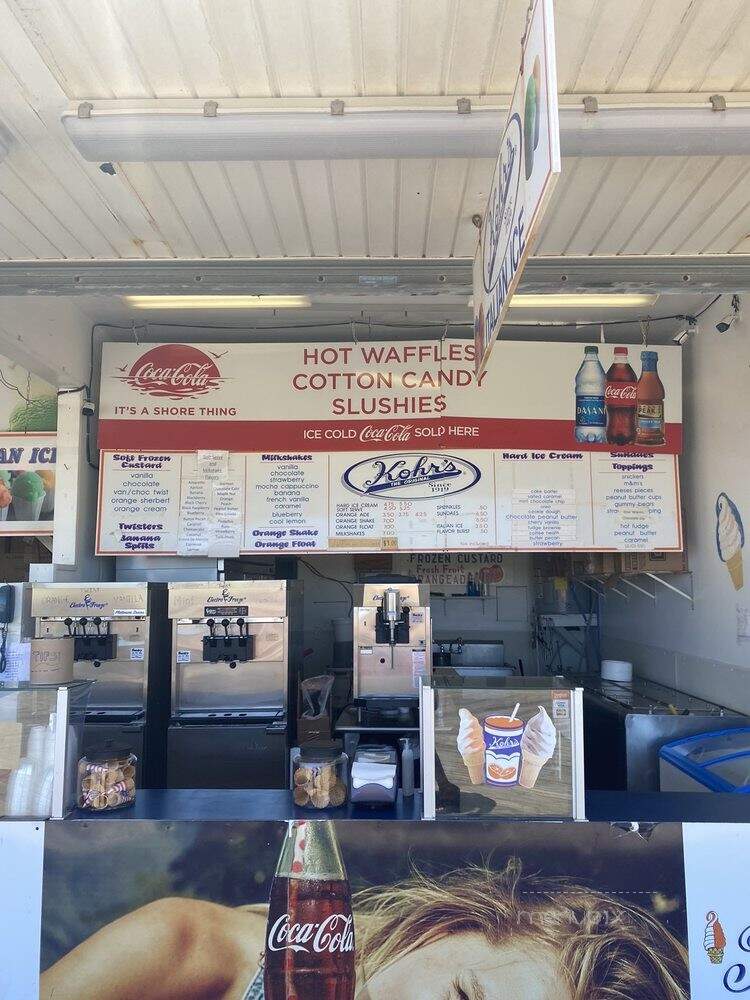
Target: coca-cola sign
(411, 476)
(623, 393)
(332, 935)
(174, 371)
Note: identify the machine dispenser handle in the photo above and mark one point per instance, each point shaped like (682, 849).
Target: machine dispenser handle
(98, 622)
(211, 627)
(225, 625)
(68, 623)
(83, 622)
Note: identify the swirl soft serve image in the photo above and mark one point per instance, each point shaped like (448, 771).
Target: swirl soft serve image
(730, 538)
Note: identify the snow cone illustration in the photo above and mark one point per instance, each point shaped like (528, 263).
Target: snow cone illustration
(730, 538)
(28, 496)
(714, 940)
(537, 746)
(37, 414)
(470, 743)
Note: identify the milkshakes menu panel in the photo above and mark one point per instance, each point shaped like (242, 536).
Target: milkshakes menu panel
(278, 502)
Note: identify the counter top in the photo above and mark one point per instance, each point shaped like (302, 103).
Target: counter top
(229, 805)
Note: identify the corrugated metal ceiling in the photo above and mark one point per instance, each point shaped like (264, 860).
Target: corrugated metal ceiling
(54, 205)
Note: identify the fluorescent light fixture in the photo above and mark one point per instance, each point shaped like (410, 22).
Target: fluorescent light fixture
(583, 301)
(156, 133)
(218, 301)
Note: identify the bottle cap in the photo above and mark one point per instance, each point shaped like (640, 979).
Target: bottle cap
(621, 351)
(591, 350)
(650, 356)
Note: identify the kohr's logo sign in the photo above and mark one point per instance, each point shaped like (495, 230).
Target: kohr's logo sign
(503, 231)
(173, 371)
(413, 476)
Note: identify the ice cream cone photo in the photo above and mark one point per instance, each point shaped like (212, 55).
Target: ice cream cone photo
(537, 746)
(730, 538)
(470, 743)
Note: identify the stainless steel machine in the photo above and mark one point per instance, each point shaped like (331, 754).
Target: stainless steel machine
(392, 640)
(236, 650)
(121, 641)
(627, 724)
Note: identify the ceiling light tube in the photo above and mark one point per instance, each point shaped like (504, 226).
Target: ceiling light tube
(159, 133)
(218, 301)
(595, 300)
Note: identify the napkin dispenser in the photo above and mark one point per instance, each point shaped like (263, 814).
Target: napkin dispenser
(374, 775)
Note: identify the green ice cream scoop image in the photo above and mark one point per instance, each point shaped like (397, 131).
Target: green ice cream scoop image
(28, 486)
(39, 414)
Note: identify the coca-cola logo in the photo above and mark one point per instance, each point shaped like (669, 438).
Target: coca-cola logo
(391, 432)
(620, 392)
(332, 935)
(174, 371)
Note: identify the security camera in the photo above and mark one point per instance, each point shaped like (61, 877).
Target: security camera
(726, 321)
(690, 330)
(88, 408)
(680, 338)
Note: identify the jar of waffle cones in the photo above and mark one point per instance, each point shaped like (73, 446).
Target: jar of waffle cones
(106, 780)
(319, 778)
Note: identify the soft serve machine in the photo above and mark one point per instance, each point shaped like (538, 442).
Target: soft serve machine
(121, 642)
(392, 641)
(236, 649)
(392, 651)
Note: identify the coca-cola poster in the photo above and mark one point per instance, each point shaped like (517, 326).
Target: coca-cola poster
(398, 396)
(378, 910)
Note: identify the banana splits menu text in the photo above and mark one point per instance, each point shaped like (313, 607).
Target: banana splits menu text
(387, 447)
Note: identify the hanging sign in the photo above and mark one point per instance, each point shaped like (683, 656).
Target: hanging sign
(528, 164)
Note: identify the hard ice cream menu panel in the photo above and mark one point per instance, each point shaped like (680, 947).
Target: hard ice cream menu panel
(220, 504)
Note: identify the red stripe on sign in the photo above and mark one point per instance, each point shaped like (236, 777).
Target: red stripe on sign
(357, 435)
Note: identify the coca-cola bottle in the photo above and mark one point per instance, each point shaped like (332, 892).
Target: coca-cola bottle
(310, 934)
(620, 399)
(649, 419)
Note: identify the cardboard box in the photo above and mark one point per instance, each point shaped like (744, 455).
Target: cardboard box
(633, 563)
(601, 564)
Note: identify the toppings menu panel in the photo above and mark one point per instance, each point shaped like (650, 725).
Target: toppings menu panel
(209, 504)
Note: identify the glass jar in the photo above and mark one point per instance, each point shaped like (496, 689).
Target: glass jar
(106, 780)
(319, 778)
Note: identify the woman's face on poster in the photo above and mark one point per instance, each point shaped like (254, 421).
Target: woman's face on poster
(468, 967)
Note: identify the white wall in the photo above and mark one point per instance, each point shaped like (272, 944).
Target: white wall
(698, 650)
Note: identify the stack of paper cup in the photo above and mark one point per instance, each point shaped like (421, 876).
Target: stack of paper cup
(52, 660)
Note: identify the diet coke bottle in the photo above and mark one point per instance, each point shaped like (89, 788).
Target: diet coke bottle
(620, 399)
(310, 934)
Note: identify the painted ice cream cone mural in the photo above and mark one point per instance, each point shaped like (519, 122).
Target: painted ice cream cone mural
(730, 538)
(470, 744)
(714, 939)
(537, 746)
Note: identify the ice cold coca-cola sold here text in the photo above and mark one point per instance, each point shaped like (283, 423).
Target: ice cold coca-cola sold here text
(310, 933)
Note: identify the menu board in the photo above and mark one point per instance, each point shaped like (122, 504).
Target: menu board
(217, 503)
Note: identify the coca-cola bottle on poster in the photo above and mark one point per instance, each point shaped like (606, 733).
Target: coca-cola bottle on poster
(309, 951)
(620, 399)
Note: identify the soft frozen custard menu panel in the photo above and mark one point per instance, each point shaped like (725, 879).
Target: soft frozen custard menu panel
(504, 752)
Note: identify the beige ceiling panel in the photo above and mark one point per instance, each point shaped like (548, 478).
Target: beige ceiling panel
(234, 32)
(698, 43)
(731, 208)
(382, 179)
(415, 204)
(451, 178)
(348, 197)
(17, 191)
(251, 193)
(285, 46)
(316, 190)
(281, 186)
(147, 185)
(222, 203)
(333, 45)
(475, 199)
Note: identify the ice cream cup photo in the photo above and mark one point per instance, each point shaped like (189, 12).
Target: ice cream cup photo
(502, 749)
(537, 746)
(28, 496)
